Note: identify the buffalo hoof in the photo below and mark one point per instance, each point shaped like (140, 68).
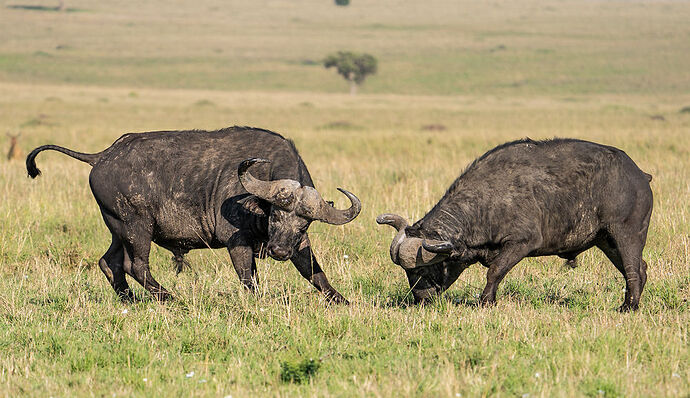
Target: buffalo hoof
(571, 263)
(628, 307)
(126, 296)
(486, 304)
(486, 301)
(422, 301)
(162, 296)
(337, 298)
(425, 296)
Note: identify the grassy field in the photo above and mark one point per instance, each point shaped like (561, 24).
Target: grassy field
(612, 72)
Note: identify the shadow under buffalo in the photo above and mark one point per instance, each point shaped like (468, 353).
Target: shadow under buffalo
(468, 296)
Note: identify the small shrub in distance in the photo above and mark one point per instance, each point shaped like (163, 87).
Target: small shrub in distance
(353, 67)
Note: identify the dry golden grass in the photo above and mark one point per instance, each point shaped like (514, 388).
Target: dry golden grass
(554, 331)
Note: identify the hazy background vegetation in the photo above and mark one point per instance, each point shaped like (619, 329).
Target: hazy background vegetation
(454, 79)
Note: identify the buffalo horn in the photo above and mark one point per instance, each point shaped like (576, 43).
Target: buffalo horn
(290, 195)
(331, 215)
(393, 220)
(399, 224)
(254, 186)
(442, 247)
(411, 252)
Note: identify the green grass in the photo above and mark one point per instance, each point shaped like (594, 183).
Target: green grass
(488, 72)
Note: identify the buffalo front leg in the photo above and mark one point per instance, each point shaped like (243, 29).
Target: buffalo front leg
(509, 256)
(242, 257)
(112, 265)
(309, 268)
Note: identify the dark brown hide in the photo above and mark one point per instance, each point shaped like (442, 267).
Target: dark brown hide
(180, 189)
(536, 198)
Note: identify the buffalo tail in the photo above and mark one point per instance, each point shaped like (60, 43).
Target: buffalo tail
(33, 171)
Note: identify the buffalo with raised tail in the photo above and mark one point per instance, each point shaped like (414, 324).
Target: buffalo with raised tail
(189, 190)
(525, 199)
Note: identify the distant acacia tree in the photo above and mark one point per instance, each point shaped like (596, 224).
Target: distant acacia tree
(353, 67)
(342, 3)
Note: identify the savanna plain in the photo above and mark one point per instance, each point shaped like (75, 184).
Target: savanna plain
(455, 79)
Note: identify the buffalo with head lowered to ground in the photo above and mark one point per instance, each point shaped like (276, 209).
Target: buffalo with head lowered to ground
(189, 190)
(530, 198)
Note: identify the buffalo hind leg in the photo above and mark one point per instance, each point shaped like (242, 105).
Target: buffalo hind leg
(627, 258)
(112, 265)
(242, 257)
(309, 268)
(510, 255)
(631, 253)
(642, 240)
(137, 252)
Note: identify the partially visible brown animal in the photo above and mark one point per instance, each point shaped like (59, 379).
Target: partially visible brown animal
(15, 151)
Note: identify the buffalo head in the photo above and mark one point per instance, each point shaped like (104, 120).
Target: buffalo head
(293, 208)
(428, 263)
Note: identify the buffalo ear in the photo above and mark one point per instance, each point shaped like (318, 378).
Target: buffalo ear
(255, 205)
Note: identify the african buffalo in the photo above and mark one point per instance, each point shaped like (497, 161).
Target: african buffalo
(188, 190)
(525, 199)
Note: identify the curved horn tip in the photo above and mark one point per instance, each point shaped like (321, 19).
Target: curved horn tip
(443, 247)
(353, 198)
(383, 219)
(393, 220)
(331, 215)
(345, 191)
